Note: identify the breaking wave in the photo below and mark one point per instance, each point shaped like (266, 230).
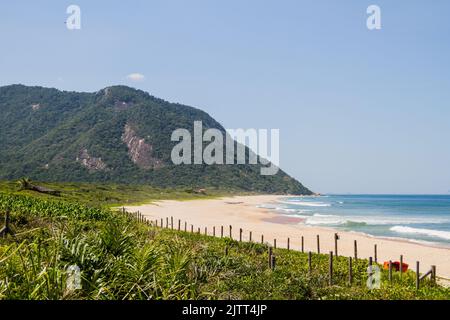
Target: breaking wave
(427, 232)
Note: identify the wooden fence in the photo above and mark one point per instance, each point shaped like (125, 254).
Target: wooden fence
(272, 257)
(6, 229)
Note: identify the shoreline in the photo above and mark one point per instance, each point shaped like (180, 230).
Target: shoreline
(243, 212)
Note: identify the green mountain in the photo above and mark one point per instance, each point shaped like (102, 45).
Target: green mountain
(117, 134)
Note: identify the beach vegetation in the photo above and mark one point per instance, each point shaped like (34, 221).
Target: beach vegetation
(120, 258)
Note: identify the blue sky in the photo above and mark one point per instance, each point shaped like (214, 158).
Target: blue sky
(359, 111)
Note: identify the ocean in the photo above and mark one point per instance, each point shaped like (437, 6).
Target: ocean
(418, 218)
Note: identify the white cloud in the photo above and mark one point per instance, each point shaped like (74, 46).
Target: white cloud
(136, 77)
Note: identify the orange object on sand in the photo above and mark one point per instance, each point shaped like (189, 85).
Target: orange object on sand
(395, 266)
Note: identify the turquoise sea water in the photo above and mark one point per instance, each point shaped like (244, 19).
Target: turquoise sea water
(423, 218)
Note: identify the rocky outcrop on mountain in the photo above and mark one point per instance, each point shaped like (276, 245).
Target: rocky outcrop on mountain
(91, 163)
(140, 152)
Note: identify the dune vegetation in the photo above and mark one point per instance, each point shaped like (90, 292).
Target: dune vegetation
(120, 257)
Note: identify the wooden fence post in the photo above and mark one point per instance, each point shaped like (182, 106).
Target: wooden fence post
(185, 226)
(303, 244)
(336, 238)
(370, 261)
(401, 265)
(162, 224)
(417, 276)
(390, 271)
(273, 262)
(270, 257)
(274, 243)
(214, 231)
(350, 271)
(206, 231)
(221, 231)
(288, 244)
(375, 253)
(262, 239)
(198, 230)
(250, 236)
(426, 274)
(240, 234)
(156, 222)
(330, 270)
(192, 228)
(318, 244)
(356, 249)
(167, 222)
(231, 234)
(6, 229)
(171, 223)
(179, 224)
(433, 274)
(310, 262)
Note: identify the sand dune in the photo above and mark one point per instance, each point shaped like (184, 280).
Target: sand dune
(242, 212)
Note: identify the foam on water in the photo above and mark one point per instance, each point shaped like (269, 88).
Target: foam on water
(415, 218)
(428, 232)
(306, 203)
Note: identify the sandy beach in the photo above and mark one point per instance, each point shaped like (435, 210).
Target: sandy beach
(242, 212)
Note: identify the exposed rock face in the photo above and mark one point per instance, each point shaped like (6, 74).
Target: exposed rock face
(122, 105)
(91, 163)
(140, 152)
(35, 107)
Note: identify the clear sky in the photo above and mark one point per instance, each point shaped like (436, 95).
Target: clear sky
(359, 111)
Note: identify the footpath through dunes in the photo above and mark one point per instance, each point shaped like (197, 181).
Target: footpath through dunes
(243, 212)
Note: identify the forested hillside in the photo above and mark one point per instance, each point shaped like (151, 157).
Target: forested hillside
(117, 134)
